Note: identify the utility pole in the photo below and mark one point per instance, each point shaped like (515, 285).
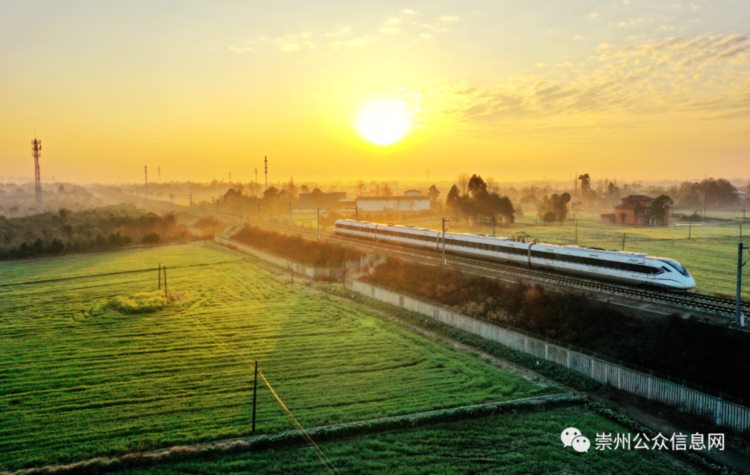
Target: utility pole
(356, 211)
(739, 316)
(159, 268)
(145, 179)
(36, 148)
(624, 235)
(690, 229)
(576, 233)
(318, 210)
(166, 294)
(255, 393)
(190, 197)
(705, 197)
(741, 223)
(443, 221)
(290, 213)
(158, 174)
(494, 224)
(265, 165)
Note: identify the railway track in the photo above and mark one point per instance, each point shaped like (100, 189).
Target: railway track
(679, 301)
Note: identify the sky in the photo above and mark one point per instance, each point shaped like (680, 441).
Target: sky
(516, 90)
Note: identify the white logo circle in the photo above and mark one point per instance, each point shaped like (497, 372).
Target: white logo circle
(581, 444)
(568, 435)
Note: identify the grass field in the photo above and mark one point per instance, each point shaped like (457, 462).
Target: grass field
(710, 253)
(508, 443)
(80, 376)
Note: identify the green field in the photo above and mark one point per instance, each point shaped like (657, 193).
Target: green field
(708, 250)
(508, 443)
(78, 377)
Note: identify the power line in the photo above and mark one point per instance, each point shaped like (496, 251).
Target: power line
(319, 452)
(299, 427)
(106, 274)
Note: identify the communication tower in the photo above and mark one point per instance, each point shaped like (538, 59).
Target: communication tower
(36, 147)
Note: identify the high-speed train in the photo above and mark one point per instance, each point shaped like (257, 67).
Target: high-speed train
(627, 267)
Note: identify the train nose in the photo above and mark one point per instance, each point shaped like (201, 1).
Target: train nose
(689, 282)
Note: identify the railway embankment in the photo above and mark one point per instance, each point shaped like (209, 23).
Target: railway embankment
(705, 356)
(315, 260)
(715, 409)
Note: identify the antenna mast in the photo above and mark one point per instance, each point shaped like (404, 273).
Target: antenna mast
(36, 148)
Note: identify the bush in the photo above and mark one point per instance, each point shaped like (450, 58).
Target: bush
(143, 302)
(314, 253)
(150, 238)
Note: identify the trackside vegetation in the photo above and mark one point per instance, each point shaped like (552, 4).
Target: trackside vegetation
(314, 253)
(703, 354)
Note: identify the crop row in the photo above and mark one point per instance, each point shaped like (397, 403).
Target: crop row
(74, 385)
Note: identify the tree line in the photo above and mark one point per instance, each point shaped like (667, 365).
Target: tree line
(106, 228)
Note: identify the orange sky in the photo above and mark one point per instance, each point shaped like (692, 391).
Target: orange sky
(628, 89)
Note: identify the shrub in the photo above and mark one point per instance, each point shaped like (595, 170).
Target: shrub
(319, 254)
(150, 238)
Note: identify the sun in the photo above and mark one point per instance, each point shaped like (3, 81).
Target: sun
(383, 122)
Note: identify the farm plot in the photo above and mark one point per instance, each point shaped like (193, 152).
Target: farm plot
(80, 376)
(508, 443)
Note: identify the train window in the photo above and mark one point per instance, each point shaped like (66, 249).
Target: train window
(675, 265)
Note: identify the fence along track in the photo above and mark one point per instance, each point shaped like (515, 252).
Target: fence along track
(720, 411)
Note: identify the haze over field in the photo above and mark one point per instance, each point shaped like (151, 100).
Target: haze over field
(624, 88)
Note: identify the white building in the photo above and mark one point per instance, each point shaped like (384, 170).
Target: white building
(401, 204)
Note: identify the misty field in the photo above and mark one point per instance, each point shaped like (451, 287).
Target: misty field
(506, 443)
(708, 251)
(103, 364)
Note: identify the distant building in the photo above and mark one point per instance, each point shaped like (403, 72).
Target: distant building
(412, 193)
(402, 204)
(635, 210)
(316, 199)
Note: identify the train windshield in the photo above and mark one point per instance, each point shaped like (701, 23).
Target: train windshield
(676, 266)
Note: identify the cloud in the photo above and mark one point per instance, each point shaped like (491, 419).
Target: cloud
(405, 23)
(708, 75)
(294, 43)
(594, 15)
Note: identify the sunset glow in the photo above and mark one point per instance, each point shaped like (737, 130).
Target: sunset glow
(613, 88)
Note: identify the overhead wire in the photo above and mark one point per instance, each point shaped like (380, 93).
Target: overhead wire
(308, 438)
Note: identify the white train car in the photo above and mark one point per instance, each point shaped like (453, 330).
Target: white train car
(627, 267)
